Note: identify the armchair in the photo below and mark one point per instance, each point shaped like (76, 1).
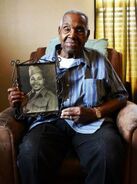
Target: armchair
(11, 132)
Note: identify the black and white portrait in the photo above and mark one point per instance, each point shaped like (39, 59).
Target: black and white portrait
(38, 82)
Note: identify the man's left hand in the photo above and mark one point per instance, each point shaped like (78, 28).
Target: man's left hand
(79, 114)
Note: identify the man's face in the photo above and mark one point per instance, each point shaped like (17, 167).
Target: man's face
(73, 34)
(37, 81)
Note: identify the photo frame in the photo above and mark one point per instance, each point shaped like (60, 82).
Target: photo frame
(39, 83)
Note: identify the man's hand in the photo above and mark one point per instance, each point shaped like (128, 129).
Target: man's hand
(79, 114)
(15, 96)
(84, 115)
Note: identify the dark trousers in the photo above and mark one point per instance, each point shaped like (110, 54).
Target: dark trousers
(44, 147)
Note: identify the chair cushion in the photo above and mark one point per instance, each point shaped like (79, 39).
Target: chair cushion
(99, 45)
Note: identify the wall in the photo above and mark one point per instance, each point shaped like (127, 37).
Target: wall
(28, 24)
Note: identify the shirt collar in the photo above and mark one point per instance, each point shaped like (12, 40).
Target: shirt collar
(52, 56)
(42, 92)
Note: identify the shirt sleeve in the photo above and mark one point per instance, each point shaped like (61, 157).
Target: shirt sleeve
(116, 86)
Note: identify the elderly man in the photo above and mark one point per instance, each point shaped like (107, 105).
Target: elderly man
(91, 92)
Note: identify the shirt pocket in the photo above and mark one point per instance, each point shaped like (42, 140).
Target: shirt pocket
(94, 91)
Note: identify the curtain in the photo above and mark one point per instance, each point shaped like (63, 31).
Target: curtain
(116, 20)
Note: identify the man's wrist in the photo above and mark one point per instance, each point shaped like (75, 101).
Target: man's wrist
(97, 112)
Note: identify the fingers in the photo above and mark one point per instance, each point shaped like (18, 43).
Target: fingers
(76, 119)
(15, 95)
(73, 118)
(68, 112)
(12, 89)
(72, 113)
(78, 114)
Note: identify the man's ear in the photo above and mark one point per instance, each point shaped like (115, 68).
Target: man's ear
(88, 33)
(59, 30)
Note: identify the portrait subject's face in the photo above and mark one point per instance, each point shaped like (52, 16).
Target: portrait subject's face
(37, 81)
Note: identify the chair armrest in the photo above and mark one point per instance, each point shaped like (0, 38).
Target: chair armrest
(127, 120)
(8, 121)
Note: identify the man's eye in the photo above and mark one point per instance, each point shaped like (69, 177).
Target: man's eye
(80, 30)
(66, 29)
(32, 79)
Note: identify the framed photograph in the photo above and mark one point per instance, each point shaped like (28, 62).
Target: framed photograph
(38, 81)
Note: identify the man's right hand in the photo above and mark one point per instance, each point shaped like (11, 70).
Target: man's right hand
(15, 96)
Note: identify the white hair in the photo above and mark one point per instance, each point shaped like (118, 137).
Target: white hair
(74, 12)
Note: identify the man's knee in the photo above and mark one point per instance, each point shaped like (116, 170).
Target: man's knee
(27, 151)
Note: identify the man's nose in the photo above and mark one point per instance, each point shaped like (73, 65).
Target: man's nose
(72, 32)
